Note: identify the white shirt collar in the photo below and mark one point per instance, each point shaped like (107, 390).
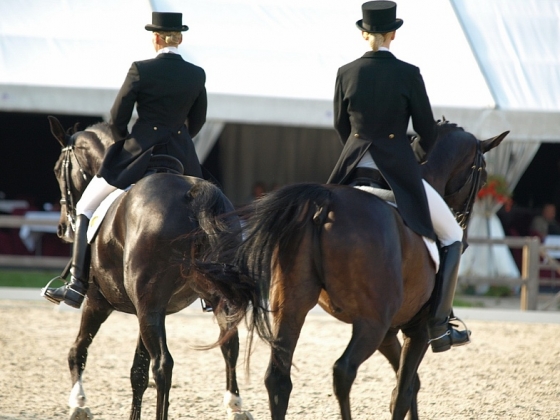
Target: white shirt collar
(383, 49)
(171, 50)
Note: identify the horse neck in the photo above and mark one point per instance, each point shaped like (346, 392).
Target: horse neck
(93, 143)
(446, 158)
(89, 153)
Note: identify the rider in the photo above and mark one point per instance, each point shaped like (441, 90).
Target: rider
(375, 96)
(170, 98)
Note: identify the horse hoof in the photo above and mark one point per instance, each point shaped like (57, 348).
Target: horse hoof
(245, 415)
(233, 405)
(80, 413)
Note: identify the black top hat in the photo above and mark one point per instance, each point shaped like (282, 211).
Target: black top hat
(379, 17)
(167, 22)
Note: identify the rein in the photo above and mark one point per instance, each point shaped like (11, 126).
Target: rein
(68, 200)
(473, 181)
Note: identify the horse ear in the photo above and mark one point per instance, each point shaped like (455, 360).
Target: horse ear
(73, 130)
(489, 144)
(57, 130)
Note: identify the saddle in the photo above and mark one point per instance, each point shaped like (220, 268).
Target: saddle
(164, 164)
(158, 164)
(373, 182)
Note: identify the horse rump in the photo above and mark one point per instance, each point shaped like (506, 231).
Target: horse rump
(243, 256)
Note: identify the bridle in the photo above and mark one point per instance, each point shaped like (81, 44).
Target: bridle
(68, 200)
(473, 182)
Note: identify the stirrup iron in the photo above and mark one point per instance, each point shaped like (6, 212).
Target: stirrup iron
(44, 289)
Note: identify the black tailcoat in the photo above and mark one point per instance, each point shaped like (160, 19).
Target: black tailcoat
(170, 98)
(375, 96)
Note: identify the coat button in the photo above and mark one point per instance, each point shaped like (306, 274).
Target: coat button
(356, 135)
(179, 132)
(155, 128)
(391, 136)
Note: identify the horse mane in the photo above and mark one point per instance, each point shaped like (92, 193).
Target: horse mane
(92, 144)
(103, 132)
(453, 145)
(444, 127)
(447, 130)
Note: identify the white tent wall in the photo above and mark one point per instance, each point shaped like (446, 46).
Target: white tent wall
(271, 62)
(489, 65)
(521, 64)
(517, 46)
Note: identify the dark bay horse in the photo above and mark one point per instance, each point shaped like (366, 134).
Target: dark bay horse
(350, 251)
(141, 265)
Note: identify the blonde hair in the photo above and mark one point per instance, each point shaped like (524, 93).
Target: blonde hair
(375, 40)
(171, 39)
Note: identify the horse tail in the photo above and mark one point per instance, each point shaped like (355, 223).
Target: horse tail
(277, 225)
(272, 226)
(212, 211)
(219, 235)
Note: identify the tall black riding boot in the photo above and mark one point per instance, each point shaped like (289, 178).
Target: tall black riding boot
(73, 293)
(440, 328)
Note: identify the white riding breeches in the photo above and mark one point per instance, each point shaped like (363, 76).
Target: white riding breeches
(96, 191)
(445, 226)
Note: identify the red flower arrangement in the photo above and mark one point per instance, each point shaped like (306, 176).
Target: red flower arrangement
(496, 188)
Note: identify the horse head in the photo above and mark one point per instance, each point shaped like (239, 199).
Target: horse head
(77, 164)
(456, 167)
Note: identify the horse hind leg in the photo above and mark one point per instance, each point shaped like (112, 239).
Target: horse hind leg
(152, 332)
(404, 397)
(391, 348)
(93, 315)
(289, 318)
(277, 378)
(230, 351)
(139, 378)
(367, 335)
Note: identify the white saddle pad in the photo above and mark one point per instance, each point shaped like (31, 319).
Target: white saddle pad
(430, 244)
(100, 213)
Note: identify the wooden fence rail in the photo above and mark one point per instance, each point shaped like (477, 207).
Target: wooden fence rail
(529, 281)
(18, 221)
(29, 261)
(530, 266)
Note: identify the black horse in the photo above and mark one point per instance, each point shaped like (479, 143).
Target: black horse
(350, 251)
(141, 264)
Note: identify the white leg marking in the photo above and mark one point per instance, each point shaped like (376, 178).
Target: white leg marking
(78, 413)
(233, 404)
(77, 395)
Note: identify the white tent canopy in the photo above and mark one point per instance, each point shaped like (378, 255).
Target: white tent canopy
(270, 62)
(489, 65)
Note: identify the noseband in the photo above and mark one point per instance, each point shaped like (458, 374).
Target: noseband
(68, 200)
(473, 182)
